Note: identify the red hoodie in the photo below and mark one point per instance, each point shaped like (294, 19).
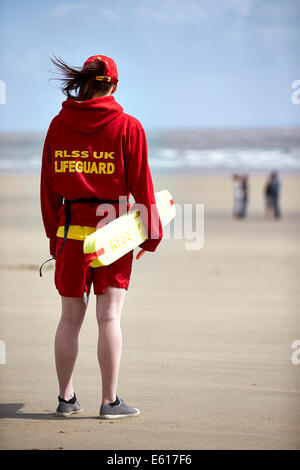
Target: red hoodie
(94, 149)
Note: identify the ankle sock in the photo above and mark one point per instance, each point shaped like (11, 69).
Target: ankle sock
(71, 401)
(116, 402)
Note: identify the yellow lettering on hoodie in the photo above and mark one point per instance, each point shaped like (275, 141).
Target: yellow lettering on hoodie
(79, 166)
(66, 154)
(58, 153)
(87, 166)
(102, 168)
(110, 167)
(98, 156)
(84, 154)
(94, 168)
(75, 153)
(109, 155)
(57, 170)
(72, 166)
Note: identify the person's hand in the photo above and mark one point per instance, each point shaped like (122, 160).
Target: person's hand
(140, 253)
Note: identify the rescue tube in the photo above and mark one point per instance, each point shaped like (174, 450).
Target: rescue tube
(114, 240)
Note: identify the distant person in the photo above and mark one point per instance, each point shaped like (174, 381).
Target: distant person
(272, 193)
(238, 194)
(275, 181)
(245, 195)
(269, 206)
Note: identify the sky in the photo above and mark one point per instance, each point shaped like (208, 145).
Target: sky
(182, 63)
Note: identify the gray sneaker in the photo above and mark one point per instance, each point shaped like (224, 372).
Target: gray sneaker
(120, 410)
(65, 408)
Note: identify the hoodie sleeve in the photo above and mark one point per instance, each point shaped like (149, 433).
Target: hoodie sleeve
(140, 185)
(50, 200)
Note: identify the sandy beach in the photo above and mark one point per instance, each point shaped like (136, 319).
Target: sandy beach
(207, 334)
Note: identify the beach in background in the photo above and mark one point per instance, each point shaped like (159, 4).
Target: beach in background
(207, 334)
(177, 151)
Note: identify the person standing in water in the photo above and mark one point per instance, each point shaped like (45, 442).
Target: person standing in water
(93, 153)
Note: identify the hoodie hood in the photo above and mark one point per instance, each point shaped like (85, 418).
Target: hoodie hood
(90, 116)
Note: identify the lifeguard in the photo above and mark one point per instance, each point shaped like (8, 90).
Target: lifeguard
(93, 153)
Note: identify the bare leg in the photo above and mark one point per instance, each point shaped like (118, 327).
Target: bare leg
(109, 309)
(66, 343)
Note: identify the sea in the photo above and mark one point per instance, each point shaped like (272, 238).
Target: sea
(182, 151)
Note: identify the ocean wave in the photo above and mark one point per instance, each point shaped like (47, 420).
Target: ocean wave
(174, 158)
(33, 163)
(227, 158)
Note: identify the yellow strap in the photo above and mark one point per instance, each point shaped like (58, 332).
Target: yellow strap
(102, 78)
(76, 232)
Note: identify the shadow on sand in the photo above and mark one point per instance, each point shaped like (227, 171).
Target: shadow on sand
(13, 410)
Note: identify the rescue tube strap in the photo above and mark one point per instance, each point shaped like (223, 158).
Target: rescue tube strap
(88, 258)
(50, 259)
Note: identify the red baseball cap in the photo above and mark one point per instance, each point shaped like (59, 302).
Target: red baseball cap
(110, 69)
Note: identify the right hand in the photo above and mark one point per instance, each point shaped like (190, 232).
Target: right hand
(140, 253)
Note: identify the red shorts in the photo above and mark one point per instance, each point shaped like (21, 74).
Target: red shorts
(69, 274)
